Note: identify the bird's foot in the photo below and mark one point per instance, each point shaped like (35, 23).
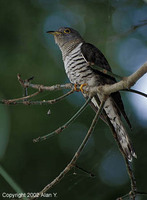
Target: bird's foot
(80, 89)
(75, 88)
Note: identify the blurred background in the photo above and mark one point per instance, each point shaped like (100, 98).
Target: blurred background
(25, 48)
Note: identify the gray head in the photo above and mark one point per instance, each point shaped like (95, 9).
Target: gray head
(66, 37)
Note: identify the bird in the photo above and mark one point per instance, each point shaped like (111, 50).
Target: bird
(79, 57)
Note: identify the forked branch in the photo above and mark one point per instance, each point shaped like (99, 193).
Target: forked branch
(125, 84)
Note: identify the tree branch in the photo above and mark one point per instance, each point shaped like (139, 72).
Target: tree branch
(131, 30)
(126, 83)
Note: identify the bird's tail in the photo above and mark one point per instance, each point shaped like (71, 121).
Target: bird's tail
(121, 134)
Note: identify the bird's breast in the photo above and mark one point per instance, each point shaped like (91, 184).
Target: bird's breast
(77, 68)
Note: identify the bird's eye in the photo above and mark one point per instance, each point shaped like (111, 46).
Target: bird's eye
(67, 31)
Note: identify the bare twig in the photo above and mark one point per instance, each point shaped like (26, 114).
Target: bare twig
(26, 83)
(14, 101)
(60, 129)
(135, 91)
(50, 88)
(57, 99)
(20, 80)
(77, 154)
(43, 102)
(131, 30)
(85, 171)
(138, 193)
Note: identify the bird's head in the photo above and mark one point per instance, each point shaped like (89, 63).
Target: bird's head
(65, 36)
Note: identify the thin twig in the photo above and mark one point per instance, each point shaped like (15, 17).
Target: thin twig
(131, 30)
(138, 193)
(10, 101)
(59, 98)
(43, 102)
(77, 154)
(135, 91)
(20, 80)
(85, 171)
(60, 129)
(26, 83)
(50, 88)
(25, 92)
(142, 193)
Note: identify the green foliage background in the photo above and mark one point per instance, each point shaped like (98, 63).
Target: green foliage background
(25, 48)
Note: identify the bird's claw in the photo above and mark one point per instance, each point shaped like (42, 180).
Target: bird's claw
(75, 88)
(81, 87)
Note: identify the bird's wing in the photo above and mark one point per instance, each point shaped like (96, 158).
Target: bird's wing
(94, 56)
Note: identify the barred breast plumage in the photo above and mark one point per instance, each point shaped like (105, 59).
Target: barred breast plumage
(77, 68)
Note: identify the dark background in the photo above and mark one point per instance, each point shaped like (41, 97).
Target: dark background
(25, 48)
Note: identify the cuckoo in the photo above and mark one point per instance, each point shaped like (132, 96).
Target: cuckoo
(78, 57)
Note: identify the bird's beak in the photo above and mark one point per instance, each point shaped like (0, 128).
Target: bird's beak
(54, 32)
